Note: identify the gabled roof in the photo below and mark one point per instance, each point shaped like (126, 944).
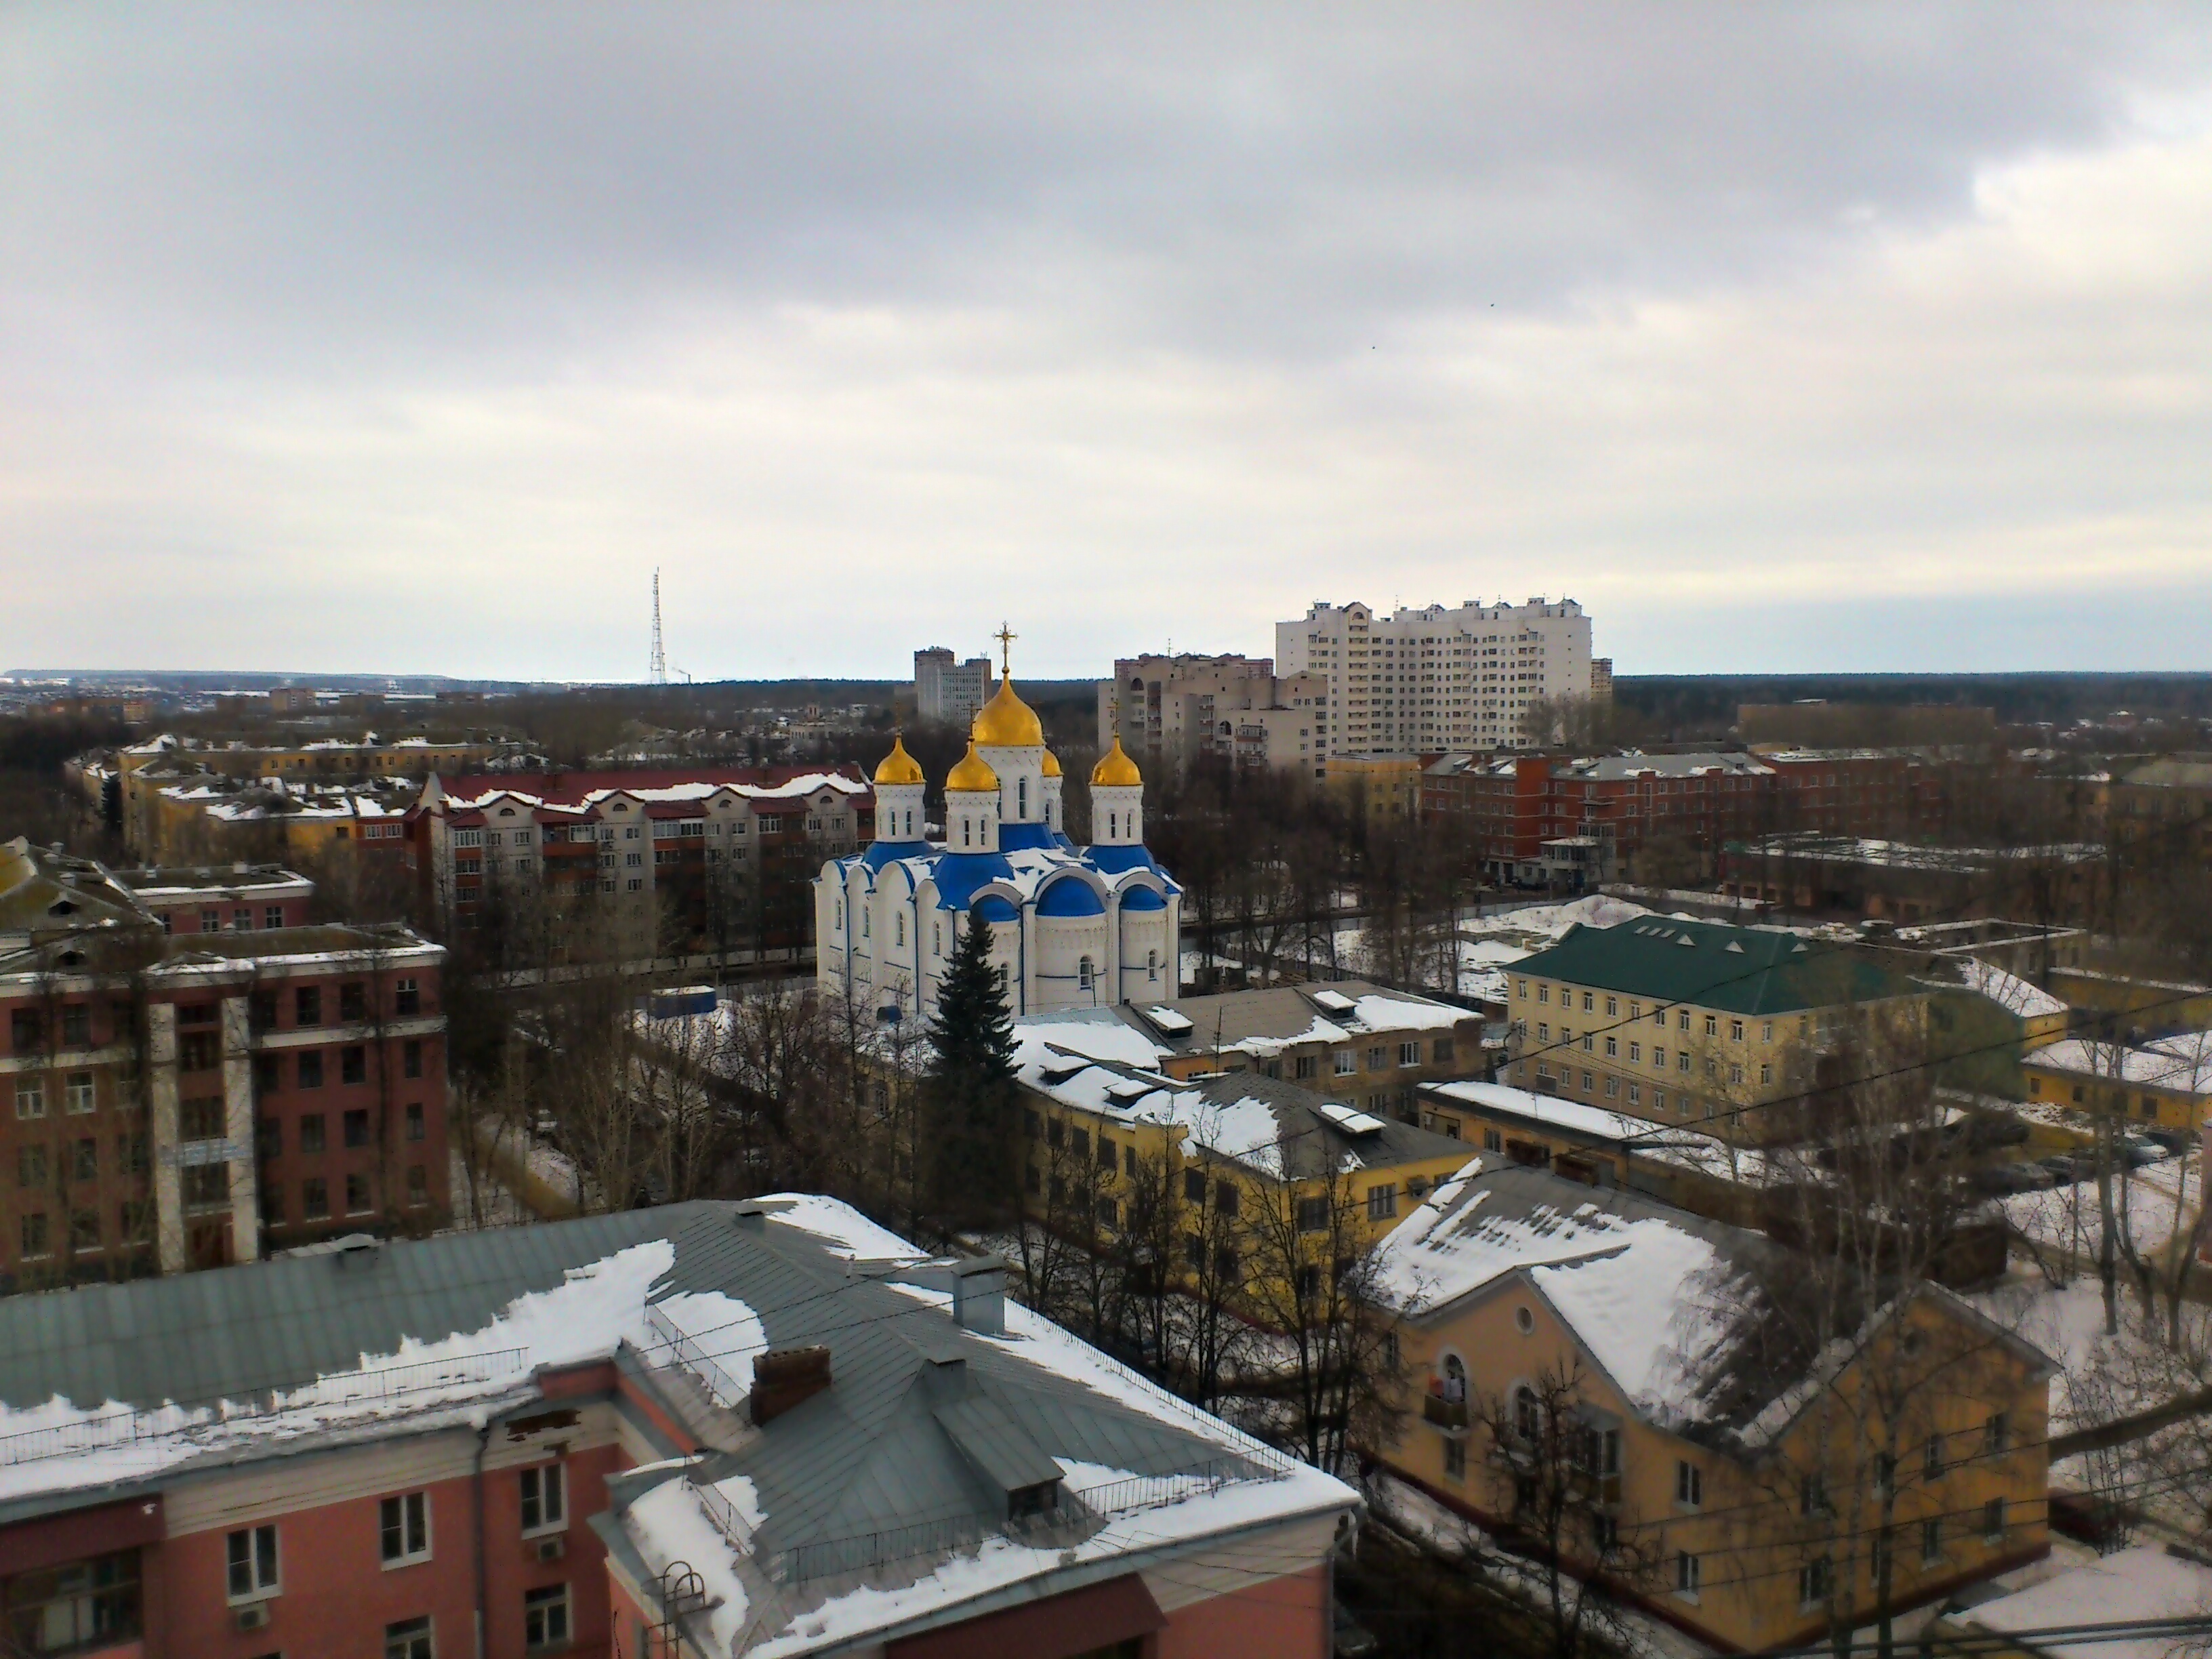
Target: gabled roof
(1744, 970)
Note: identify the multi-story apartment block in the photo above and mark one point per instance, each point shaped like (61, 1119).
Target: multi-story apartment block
(1698, 1022)
(188, 1098)
(700, 1428)
(1534, 820)
(1438, 679)
(947, 691)
(1169, 709)
(243, 898)
(674, 855)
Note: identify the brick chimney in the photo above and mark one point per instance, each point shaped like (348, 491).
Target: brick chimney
(786, 1378)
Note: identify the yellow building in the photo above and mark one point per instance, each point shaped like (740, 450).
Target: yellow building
(1257, 1184)
(1378, 786)
(1638, 1384)
(2164, 1083)
(1680, 1021)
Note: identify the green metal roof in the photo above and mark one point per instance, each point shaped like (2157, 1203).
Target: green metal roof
(1709, 964)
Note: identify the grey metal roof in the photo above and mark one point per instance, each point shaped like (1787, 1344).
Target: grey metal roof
(1313, 1144)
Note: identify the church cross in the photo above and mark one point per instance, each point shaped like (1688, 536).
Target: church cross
(1006, 637)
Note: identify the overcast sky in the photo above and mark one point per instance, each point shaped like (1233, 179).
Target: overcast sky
(411, 339)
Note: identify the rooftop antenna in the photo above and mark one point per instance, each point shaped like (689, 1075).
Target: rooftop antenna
(657, 673)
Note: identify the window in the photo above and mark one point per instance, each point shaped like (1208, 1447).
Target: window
(415, 1126)
(30, 1098)
(131, 1156)
(253, 1551)
(1193, 1186)
(1814, 1581)
(1935, 1464)
(1993, 1434)
(1682, 1019)
(356, 1128)
(544, 1617)
(315, 1199)
(272, 915)
(1931, 1541)
(544, 1498)
(1455, 1459)
(1409, 1053)
(408, 1639)
(26, 1030)
(1224, 1198)
(210, 921)
(357, 1199)
(31, 1168)
(206, 1186)
(311, 1069)
(1689, 1484)
(1993, 1521)
(1305, 1067)
(1527, 1416)
(1374, 1057)
(76, 1025)
(311, 1132)
(1382, 1202)
(1736, 1030)
(33, 1234)
(84, 1160)
(202, 1119)
(1345, 1062)
(1686, 1575)
(307, 1005)
(83, 1603)
(418, 1186)
(79, 1098)
(353, 1002)
(1313, 1215)
(406, 1524)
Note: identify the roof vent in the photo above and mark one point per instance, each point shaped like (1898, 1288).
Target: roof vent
(1735, 945)
(979, 1294)
(753, 1218)
(1684, 938)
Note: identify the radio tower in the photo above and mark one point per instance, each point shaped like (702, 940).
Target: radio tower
(658, 674)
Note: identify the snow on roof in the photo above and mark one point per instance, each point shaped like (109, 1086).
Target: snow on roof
(66, 1445)
(2009, 991)
(1379, 1012)
(1660, 1143)
(1351, 1121)
(2129, 1584)
(1098, 1033)
(1629, 1278)
(849, 1232)
(2182, 1063)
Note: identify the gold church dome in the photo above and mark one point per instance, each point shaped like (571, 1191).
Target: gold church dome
(1007, 722)
(899, 766)
(1051, 764)
(1115, 770)
(972, 776)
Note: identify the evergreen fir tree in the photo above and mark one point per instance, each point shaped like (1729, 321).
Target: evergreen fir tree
(971, 1077)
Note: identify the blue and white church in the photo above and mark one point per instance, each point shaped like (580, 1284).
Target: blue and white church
(1073, 927)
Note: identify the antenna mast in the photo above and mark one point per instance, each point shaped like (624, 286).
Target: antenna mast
(657, 673)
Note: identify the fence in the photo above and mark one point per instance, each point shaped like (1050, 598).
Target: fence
(197, 1422)
(726, 1389)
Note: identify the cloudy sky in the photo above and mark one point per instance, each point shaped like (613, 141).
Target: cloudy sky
(413, 337)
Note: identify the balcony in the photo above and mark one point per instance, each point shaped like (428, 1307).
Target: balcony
(1443, 1413)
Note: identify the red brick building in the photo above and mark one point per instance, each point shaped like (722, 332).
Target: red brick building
(235, 898)
(712, 857)
(1551, 821)
(182, 1099)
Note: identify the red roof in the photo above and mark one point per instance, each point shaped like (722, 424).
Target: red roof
(569, 788)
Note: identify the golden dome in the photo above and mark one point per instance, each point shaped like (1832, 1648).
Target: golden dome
(1007, 722)
(972, 776)
(1115, 770)
(1051, 764)
(899, 766)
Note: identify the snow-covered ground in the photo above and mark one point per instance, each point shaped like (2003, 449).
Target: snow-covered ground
(499, 1207)
(2155, 1203)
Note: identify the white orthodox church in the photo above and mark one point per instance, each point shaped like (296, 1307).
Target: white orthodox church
(1073, 927)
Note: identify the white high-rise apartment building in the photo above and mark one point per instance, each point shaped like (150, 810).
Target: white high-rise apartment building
(947, 691)
(1440, 677)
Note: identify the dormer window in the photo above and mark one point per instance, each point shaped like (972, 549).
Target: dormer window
(1023, 1502)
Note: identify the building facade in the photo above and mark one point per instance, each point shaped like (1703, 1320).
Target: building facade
(1166, 710)
(1072, 927)
(188, 1098)
(1435, 678)
(947, 692)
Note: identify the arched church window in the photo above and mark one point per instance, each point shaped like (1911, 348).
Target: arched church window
(966, 824)
(1112, 823)
(899, 929)
(1083, 974)
(840, 921)
(864, 924)
(1021, 797)
(1151, 964)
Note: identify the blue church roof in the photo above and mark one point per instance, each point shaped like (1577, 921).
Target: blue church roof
(959, 875)
(883, 852)
(992, 908)
(1113, 860)
(1071, 896)
(1022, 837)
(1143, 898)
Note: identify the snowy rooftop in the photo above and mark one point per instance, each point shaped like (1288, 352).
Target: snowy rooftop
(2182, 1063)
(2009, 991)
(2142, 1583)
(1662, 1143)
(880, 1501)
(1647, 1290)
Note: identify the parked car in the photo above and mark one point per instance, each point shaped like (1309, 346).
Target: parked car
(1996, 1179)
(2174, 1140)
(2139, 1150)
(2066, 1171)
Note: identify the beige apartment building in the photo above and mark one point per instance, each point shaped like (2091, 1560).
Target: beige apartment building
(1167, 709)
(1435, 678)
